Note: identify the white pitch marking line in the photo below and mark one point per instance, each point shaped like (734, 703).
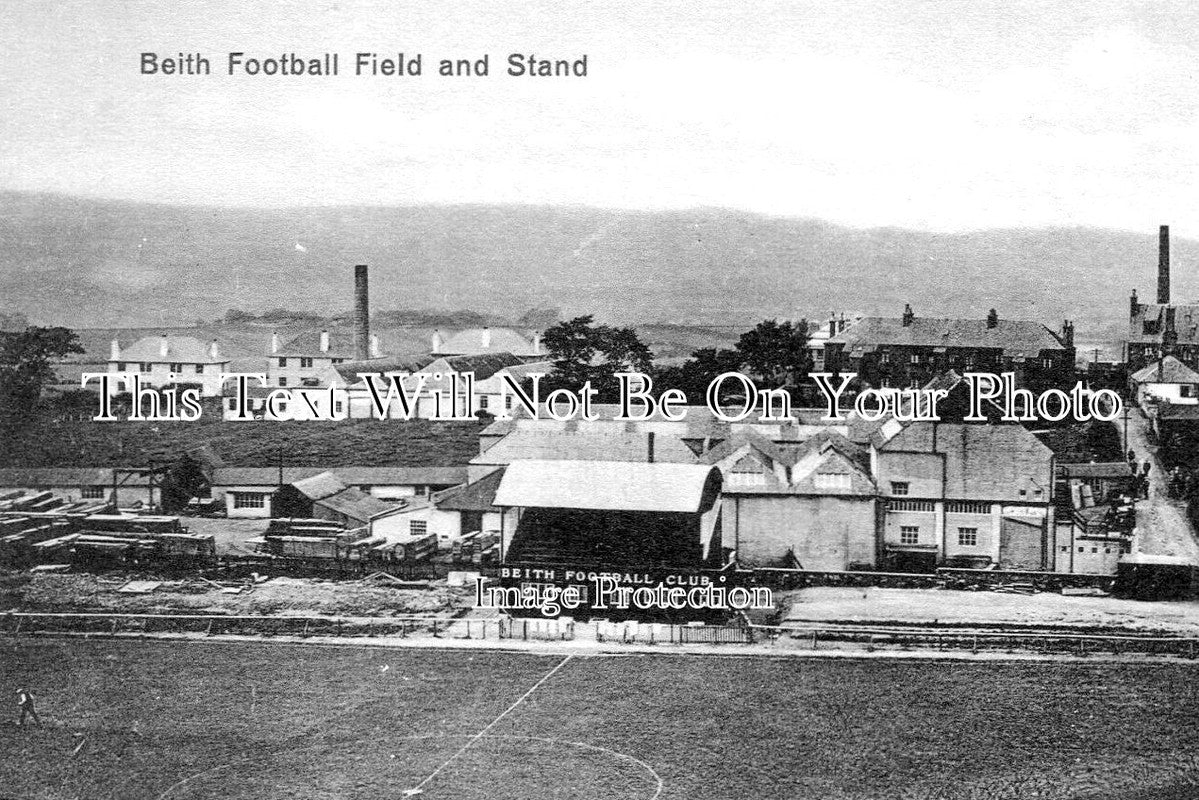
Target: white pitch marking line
(420, 786)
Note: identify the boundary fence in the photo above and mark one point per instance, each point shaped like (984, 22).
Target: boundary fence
(791, 639)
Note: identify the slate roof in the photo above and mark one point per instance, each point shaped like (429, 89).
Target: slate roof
(1014, 337)
(180, 349)
(477, 496)
(607, 486)
(348, 370)
(1171, 371)
(319, 486)
(1186, 323)
(503, 340)
(308, 343)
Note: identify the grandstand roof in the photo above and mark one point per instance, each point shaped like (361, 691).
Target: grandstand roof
(609, 486)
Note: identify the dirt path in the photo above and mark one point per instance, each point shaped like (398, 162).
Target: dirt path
(1162, 526)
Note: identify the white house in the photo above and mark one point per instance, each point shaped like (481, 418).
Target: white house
(307, 360)
(171, 360)
(1165, 381)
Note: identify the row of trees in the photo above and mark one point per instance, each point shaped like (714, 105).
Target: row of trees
(773, 354)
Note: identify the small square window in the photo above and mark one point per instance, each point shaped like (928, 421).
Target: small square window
(283, 362)
(418, 527)
(199, 369)
(900, 488)
(176, 367)
(968, 537)
(283, 381)
(909, 534)
(306, 362)
(145, 366)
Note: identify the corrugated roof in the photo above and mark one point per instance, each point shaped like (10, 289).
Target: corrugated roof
(180, 349)
(499, 340)
(354, 476)
(607, 486)
(1107, 469)
(1168, 370)
(1013, 336)
(563, 446)
(67, 476)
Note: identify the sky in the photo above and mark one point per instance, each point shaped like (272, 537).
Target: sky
(936, 116)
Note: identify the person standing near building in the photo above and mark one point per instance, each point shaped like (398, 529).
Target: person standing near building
(25, 701)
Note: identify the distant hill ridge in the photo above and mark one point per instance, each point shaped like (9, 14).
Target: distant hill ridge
(102, 263)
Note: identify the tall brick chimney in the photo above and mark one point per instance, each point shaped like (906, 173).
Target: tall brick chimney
(1163, 265)
(362, 314)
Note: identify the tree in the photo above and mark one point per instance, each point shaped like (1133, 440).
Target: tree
(26, 359)
(184, 480)
(585, 352)
(776, 354)
(694, 375)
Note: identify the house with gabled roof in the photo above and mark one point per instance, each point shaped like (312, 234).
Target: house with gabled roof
(171, 361)
(973, 493)
(485, 341)
(909, 350)
(1166, 380)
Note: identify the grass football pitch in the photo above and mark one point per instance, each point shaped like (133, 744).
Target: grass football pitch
(187, 720)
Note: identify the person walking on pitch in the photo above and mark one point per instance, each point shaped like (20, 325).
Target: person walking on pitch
(25, 701)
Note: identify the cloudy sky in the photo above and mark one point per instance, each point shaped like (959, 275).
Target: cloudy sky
(941, 116)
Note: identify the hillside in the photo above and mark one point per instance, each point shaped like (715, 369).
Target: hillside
(99, 263)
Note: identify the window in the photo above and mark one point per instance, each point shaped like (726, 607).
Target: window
(909, 534)
(884, 358)
(900, 488)
(915, 359)
(120, 366)
(338, 360)
(832, 480)
(337, 406)
(199, 369)
(1186, 390)
(418, 527)
(249, 500)
(508, 402)
(968, 537)
(92, 492)
(306, 362)
(746, 479)
(145, 366)
(283, 381)
(910, 505)
(283, 362)
(176, 366)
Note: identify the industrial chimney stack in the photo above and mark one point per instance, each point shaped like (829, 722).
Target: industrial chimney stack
(1163, 266)
(362, 315)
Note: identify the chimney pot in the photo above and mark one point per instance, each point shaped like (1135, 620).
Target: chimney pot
(324, 341)
(375, 353)
(486, 338)
(163, 346)
(908, 315)
(214, 350)
(114, 352)
(436, 341)
(274, 341)
(536, 343)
